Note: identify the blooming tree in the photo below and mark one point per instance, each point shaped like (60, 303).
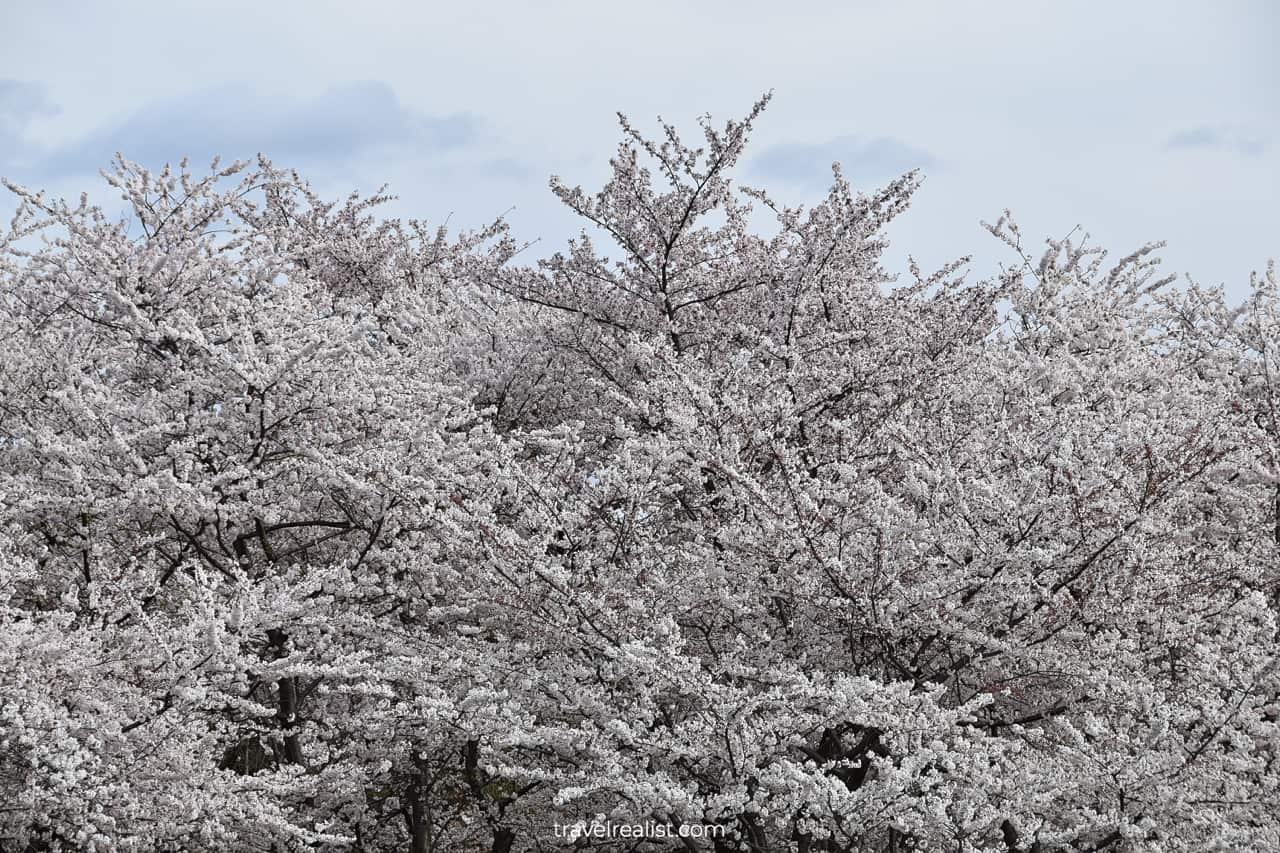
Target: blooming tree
(324, 531)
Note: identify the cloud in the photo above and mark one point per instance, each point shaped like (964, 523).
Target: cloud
(509, 168)
(864, 160)
(347, 121)
(20, 102)
(1216, 138)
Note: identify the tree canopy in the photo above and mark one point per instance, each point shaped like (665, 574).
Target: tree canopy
(328, 531)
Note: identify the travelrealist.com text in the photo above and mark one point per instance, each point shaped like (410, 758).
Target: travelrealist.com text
(646, 829)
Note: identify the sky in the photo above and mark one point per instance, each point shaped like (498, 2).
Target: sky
(1136, 121)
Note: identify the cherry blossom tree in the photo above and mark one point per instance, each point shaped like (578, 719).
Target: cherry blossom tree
(327, 531)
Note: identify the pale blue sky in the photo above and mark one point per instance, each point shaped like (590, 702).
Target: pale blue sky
(1136, 120)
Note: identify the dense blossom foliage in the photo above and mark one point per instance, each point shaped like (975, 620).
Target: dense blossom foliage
(323, 531)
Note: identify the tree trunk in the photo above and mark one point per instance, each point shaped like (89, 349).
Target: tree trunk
(502, 840)
(287, 703)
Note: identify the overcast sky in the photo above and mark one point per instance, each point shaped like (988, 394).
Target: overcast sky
(1135, 120)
